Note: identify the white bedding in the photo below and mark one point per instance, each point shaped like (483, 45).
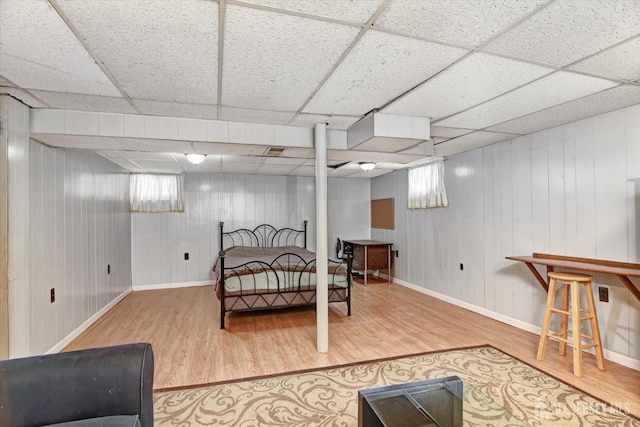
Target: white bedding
(267, 281)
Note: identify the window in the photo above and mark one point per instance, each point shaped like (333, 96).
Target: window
(156, 193)
(426, 186)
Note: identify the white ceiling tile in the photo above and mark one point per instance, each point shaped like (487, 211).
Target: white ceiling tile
(620, 62)
(465, 23)
(424, 148)
(110, 154)
(82, 102)
(444, 132)
(379, 68)
(112, 143)
(342, 172)
(23, 95)
(353, 10)
(279, 57)
(152, 44)
(174, 109)
(390, 166)
(5, 82)
(274, 61)
(370, 174)
(549, 91)
(209, 165)
(569, 30)
(283, 161)
(335, 122)
(143, 155)
(469, 142)
(40, 52)
(475, 79)
(202, 168)
(589, 106)
(239, 160)
(126, 164)
(228, 149)
(159, 166)
(255, 116)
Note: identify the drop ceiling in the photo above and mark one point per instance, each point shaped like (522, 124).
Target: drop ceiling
(482, 71)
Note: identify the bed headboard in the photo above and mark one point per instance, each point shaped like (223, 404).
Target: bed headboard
(264, 235)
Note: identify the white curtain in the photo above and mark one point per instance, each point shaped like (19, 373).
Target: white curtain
(156, 192)
(426, 186)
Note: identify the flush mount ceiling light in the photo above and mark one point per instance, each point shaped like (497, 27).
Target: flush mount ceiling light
(367, 166)
(196, 158)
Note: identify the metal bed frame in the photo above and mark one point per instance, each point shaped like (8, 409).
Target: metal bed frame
(291, 292)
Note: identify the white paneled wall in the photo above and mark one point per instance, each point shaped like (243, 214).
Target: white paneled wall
(562, 191)
(79, 224)
(349, 206)
(159, 240)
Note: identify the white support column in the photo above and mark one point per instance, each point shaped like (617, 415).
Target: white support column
(4, 231)
(322, 277)
(14, 118)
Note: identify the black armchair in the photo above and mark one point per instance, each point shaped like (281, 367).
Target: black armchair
(110, 386)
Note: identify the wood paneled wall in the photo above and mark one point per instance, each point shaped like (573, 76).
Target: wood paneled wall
(79, 224)
(159, 241)
(562, 190)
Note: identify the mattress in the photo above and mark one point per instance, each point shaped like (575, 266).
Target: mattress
(280, 269)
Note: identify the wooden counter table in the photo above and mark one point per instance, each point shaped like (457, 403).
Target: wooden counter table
(623, 270)
(370, 255)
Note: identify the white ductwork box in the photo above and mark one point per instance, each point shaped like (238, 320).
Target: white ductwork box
(387, 133)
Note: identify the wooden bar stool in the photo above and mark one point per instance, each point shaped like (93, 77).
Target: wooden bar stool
(570, 307)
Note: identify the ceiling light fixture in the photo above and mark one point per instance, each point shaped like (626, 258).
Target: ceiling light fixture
(367, 166)
(196, 158)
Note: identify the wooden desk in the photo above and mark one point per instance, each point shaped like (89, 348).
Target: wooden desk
(623, 270)
(370, 255)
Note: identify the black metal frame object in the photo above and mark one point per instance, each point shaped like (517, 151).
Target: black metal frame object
(289, 270)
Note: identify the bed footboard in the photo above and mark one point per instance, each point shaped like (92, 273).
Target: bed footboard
(262, 282)
(266, 287)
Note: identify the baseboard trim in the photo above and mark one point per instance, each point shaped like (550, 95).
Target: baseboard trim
(87, 323)
(613, 356)
(172, 285)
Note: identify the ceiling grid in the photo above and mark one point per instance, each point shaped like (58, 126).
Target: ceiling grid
(482, 71)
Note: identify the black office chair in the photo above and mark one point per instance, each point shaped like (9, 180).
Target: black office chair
(339, 251)
(343, 253)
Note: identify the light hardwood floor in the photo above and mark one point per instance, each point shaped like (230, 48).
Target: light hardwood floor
(387, 320)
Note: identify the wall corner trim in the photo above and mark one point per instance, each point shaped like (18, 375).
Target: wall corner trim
(172, 285)
(86, 324)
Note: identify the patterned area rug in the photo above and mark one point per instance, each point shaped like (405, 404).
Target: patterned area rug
(499, 391)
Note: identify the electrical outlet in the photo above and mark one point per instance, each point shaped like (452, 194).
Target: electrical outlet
(186, 256)
(53, 295)
(603, 293)
(108, 268)
(461, 266)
